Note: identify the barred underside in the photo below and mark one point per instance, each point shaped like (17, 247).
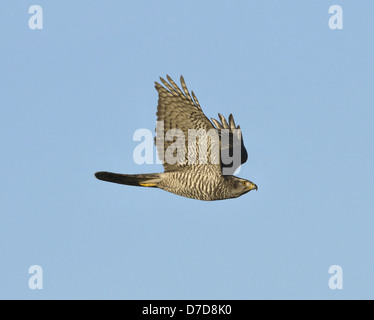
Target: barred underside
(201, 183)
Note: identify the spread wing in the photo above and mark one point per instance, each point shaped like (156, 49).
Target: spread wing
(179, 114)
(233, 151)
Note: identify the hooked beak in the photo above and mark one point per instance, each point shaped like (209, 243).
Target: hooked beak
(252, 186)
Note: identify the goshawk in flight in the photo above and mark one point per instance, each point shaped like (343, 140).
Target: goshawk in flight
(202, 169)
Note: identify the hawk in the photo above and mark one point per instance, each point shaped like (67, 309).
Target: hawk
(209, 179)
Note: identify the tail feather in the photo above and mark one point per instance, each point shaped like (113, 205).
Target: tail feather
(142, 180)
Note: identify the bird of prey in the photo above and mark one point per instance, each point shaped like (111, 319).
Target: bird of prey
(210, 179)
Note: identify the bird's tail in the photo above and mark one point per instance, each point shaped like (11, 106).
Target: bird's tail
(142, 180)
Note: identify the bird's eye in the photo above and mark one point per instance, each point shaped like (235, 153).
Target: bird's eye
(244, 183)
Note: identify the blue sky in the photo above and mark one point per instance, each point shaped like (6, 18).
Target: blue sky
(73, 94)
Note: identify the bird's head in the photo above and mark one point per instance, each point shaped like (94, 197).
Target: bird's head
(241, 186)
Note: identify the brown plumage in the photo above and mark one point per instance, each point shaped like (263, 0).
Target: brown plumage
(180, 114)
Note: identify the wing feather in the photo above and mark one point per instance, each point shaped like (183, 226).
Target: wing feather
(177, 110)
(234, 140)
